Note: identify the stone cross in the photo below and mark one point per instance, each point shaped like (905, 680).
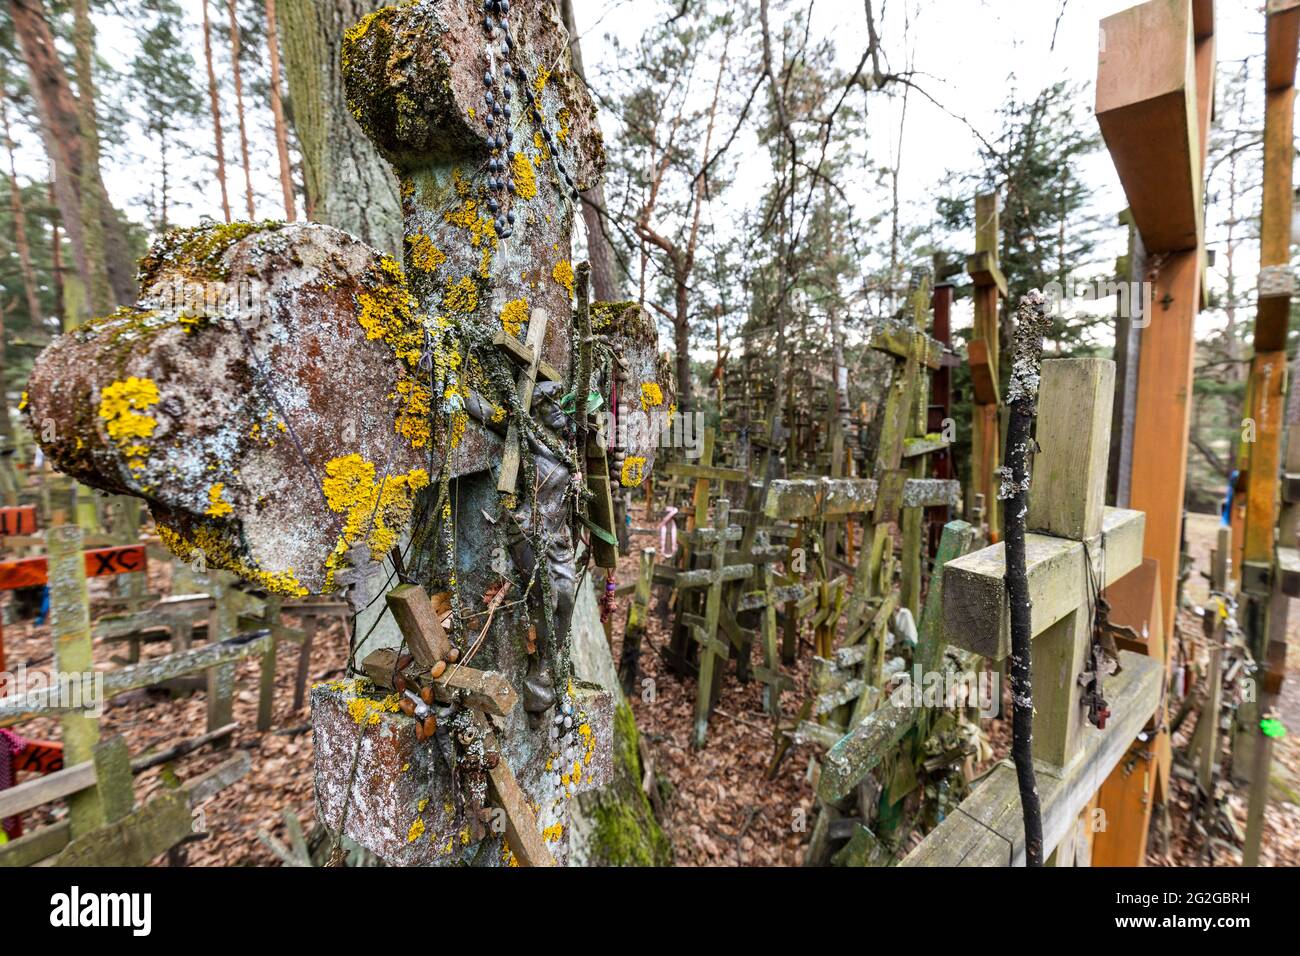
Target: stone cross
(296, 407)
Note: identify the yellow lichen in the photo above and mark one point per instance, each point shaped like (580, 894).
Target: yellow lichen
(425, 256)
(218, 506)
(543, 151)
(481, 229)
(379, 510)
(416, 831)
(514, 316)
(461, 297)
(633, 472)
(525, 180)
(564, 118)
(386, 311)
(120, 405)
(539, 83)
(563, 274)
(412, 421)
(651, 396)
(553, 833)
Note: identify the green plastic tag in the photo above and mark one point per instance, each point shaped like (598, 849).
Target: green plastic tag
(1272, 727)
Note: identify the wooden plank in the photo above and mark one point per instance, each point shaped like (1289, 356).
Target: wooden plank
(974, 595)
(989, 831)
(1268, 374)
(18, 708)
(525, 840)
(1282, 34)
(1147, 109)
(41, 790)
(73, 654)
(413, 612)
(1069, 471)
(1160, 434)
(788, 500)
(100, 562)
(487, 691)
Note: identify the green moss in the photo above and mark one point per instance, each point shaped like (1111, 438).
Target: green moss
(626, 320)
(398, 84)
(626, 831)
(197, 251)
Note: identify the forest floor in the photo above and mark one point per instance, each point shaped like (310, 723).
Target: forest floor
(720, 810)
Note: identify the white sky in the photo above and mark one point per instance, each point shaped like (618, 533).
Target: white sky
(963, 50)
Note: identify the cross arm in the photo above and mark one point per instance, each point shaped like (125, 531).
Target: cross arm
(975, 610)
(522, 354)
(789, 499)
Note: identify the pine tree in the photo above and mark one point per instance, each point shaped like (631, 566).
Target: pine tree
(164, 91)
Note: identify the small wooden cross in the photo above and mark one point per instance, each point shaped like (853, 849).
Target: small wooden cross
(704, 630)
(485, 692)
(529, 355)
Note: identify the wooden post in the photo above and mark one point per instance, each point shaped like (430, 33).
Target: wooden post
(990, 289)
(1155, 98)
(74, 663)
(1262, 557)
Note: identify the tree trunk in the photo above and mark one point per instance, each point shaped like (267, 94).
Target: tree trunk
(239, 109)
(214, 101)
(348, 183)
(75, 160)
(606, 284)
(6, 425)
(93, 197)
(56, 254)
(277, 110)
(20, 225)
(682, 345)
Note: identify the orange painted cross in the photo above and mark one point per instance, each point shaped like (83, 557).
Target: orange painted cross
(16, 521)
(100, 562)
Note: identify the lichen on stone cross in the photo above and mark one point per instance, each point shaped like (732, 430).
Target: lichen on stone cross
(491, 135)
(292, 404)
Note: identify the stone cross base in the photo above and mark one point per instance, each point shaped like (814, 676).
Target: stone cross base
(402, 806)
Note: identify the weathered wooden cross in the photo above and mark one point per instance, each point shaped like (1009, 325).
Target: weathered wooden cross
(990, 289)
(529, 356)
(1077, 547)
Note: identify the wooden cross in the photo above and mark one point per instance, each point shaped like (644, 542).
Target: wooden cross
(703, 473)
(904, 441)
(990, 289)
(874, 735)
(484, 691)
(529, 355)
(1155, 100)
(1078, 547)
(704, 630)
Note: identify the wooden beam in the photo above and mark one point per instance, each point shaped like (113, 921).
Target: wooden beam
(413, 612)
(1160, 434)
(1147, 109)
(989, 831)
(974, 594)
(1069, 470)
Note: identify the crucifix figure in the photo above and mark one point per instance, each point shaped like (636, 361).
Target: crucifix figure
(318, 417)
